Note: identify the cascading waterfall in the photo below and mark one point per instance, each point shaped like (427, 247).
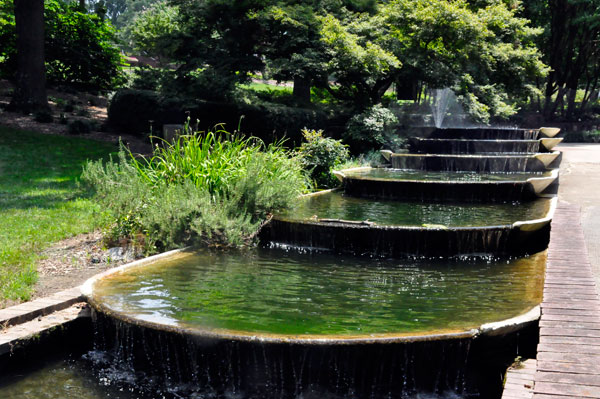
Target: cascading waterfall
(473, 163)
(465, 146)
(190, 367)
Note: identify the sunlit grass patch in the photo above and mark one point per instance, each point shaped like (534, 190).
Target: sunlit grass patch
(40, 201)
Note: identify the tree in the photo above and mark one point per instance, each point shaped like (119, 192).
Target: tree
(152, 31)
(221, 38)
(30, 90)
(291, 46)
(78, 47)
(363, 69)
(486, 54)
(481, 49)
(570, 48)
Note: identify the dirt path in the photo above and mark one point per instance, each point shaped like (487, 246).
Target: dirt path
(68, 263)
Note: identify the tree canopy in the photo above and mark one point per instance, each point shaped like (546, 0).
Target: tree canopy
(486, 52)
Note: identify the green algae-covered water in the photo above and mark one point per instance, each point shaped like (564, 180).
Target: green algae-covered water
(335, 205)
(418, 175)
(275, 292)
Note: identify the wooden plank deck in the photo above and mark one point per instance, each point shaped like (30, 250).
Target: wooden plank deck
(568, 353)
(568, 359)
(519, 381)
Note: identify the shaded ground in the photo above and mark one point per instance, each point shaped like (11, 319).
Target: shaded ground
(70, 262)
(85, 107)
(580, 185)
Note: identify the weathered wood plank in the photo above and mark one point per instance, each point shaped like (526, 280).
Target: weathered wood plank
(582, 391)
(569, 358)
(577, 312)
(551, 396)
(566, 378)
(569, 317)
(569, 324)
(569, 332)
(553, 339)
(564, 367)
(569, 348)
(571, 305)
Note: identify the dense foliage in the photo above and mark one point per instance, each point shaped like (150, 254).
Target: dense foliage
(152, 30)
(486, 53)
(136, 110)
(80, 47)
(319, 155)
(372, 129)
(204, 188)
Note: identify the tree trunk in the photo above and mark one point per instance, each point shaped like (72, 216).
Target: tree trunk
(30, 91)
(301, 90)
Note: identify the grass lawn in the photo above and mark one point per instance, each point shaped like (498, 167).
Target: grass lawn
(40, 202)
(267, 87)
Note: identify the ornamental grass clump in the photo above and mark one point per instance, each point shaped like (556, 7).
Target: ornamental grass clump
(205, 188)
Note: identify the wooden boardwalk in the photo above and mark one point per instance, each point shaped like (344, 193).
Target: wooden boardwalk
(568, 358)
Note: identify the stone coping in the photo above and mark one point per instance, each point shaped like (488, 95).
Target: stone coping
(28, 311)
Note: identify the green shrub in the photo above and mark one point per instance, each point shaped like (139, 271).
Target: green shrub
(43, 117)
(208, 188)
(79, 127)
(371, 129)
(132, 110)
(69, 107)
(82, 112)
(320, 155)
(156, 79)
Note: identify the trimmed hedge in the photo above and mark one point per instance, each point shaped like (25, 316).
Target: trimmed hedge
(132, 110)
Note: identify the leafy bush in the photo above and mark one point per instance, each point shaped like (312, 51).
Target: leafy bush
(80, 127)
(152, 30)
(208, 188)
(320, 155)
(156, 79)
(43, 117)
(132, 110)
(371, 129)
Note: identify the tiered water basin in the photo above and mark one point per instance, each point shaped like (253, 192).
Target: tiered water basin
(473, 146)
(276, 323)
(405, 184)
(380, 290)
(344, 224)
